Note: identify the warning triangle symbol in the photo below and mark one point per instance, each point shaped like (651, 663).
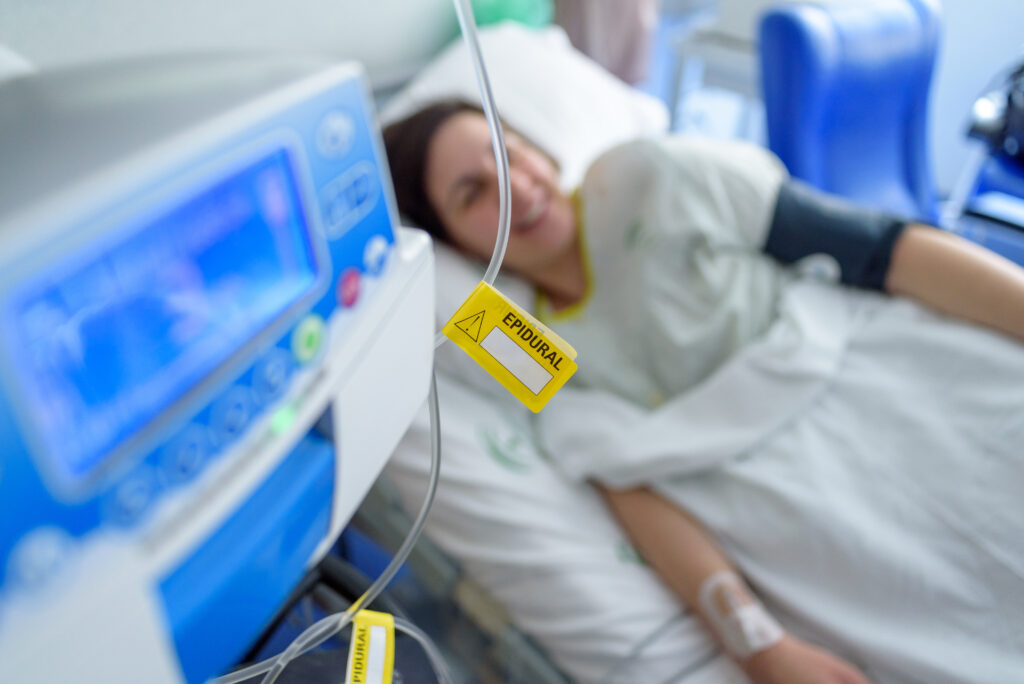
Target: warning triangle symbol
(471, 326)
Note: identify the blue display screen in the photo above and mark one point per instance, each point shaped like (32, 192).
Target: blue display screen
(103, 344)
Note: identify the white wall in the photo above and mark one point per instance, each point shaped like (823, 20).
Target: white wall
(390, 37)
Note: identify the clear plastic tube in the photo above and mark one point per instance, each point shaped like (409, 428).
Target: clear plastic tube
(468, 26)
(433, 653)
(317, 633)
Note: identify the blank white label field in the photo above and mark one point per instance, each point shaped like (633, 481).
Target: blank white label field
(376, 655)
(516, 360)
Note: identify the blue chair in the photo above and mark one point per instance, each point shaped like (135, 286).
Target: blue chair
(846, 87)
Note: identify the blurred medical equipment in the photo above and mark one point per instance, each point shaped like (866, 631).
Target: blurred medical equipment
(189, 301)
(324, 629)
(199, 263)
(851, 118)
(715, 55)
(997, 117)
(989, 204)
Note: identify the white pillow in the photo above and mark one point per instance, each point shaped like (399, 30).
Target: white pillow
(545, 89)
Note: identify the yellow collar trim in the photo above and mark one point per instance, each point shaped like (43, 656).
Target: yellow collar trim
(542, 306)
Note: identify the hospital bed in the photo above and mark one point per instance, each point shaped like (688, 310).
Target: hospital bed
(526, 529)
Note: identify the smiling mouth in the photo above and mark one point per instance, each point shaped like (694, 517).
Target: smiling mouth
(533, 216)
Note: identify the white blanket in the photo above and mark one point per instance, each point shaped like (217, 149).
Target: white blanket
(880, 510)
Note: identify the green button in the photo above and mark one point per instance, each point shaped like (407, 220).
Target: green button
(282, 420)
(307, 338)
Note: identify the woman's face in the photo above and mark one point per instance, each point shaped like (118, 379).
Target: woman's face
(462, 185)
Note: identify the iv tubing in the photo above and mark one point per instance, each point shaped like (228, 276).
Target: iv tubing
(468, 26)
(316, 634)
(433, 654)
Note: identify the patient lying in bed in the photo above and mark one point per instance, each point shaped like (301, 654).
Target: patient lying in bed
(746, 371)
(673, 237)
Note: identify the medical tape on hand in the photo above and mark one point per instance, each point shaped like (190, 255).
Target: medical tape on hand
(744, 625)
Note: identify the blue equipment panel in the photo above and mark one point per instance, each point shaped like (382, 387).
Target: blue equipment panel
(237, 580)
(152, 325)
(102, 343)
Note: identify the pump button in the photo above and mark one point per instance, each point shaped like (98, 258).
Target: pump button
(335, 134)
(130, 499)
(375, 255)
(270, 376)
(39, 555)
(183, 458)
(348, 287)
(307, 338)
(231, 414)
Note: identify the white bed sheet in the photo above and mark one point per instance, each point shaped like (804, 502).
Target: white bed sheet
(885, 519)
(547, 548)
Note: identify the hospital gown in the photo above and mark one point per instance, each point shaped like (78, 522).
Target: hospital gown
(857, 456)
(673, 231)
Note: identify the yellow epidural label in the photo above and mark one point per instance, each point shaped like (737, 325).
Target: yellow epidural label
(371, 655)
(523, 354)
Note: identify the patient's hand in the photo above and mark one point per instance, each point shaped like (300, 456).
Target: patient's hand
(792, 661)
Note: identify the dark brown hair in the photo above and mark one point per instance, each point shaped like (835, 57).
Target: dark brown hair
(406, 142)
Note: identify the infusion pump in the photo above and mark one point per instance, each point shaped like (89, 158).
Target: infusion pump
(198, 264)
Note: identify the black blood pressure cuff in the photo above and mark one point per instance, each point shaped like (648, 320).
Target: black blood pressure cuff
(808, 221)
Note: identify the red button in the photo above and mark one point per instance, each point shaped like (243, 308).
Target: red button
(348, 287)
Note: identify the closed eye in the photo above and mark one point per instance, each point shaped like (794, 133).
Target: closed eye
(470, 190)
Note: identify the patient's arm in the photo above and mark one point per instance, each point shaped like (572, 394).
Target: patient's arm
(684, 555)
(958, 277)
(878, 251)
